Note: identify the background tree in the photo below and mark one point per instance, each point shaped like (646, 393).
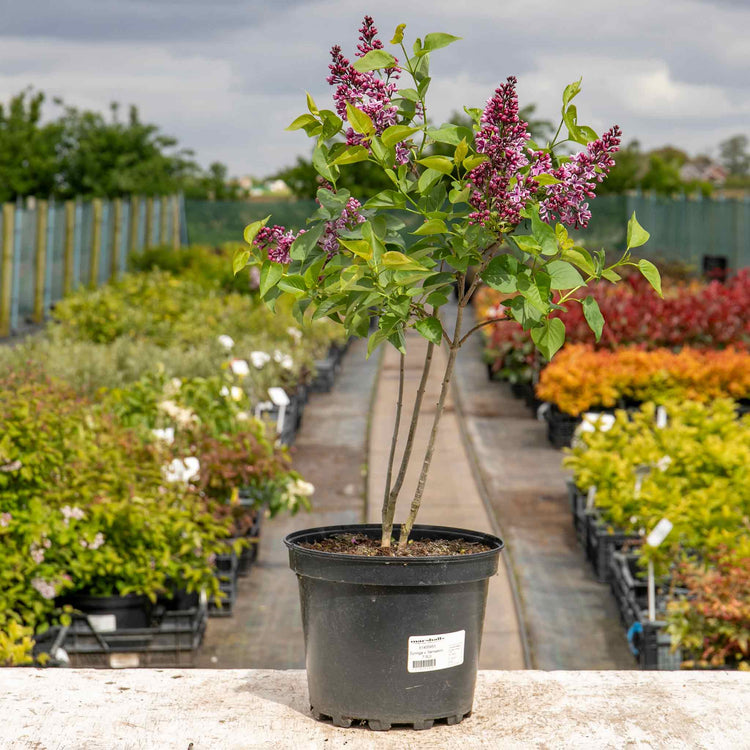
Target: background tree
(29, 160)
(734, 155)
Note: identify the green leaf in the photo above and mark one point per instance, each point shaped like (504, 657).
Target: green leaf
(375, 59)
(270, 273)
(459, 196)
(440, 163)
(396, 133)
(431, 329)
(360, 248)
(610, 275)
(580, 257)
(433, 226)
(311, 105)
(387, 199)
(563, 275)
(359, 120)
(241, 257)
(251, 230)
(526, 243)
(461, 152)
(438, 40)
(544, 233)
(637, 235)
(570, 92)
(320, 162)
(546, 179)
(651, 273)
(302, 121)
(352, 155)
(293, 284)
(398, 261)
(593, 316)
(470, 162)
(376, 339)
(550, 337)
(305, 242)
(447, 133)
(428, 179)
(501, 274)
(398, 34)
(536, 291)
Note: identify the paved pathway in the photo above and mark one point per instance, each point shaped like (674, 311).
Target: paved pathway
(451, 495)
(571, 619)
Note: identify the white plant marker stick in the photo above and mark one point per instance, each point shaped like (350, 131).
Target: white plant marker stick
(651, 592)
(654, 539)
(590, 497)
(281, 399)
(661, 417)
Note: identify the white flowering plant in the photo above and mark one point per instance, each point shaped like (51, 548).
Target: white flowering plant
(493, 200)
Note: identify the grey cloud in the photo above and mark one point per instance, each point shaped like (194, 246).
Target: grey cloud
(140, 20)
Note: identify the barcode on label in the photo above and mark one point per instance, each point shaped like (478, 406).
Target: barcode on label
(428, 653)
(423, 663)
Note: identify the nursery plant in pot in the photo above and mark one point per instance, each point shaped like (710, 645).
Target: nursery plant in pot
(393, 617)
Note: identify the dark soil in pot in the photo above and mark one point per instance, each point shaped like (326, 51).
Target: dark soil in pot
(392, 640)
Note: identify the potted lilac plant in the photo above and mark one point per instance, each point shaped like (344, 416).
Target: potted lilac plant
(393, 617)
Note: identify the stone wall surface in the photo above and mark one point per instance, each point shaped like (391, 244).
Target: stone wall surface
(227, 709)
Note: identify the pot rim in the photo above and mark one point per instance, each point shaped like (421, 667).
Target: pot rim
(326, 531)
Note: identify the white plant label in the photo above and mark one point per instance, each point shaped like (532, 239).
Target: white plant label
(103, 623)
(428, 653)
(659, 533)
(591, 497)
(661, 417)
(278, 396)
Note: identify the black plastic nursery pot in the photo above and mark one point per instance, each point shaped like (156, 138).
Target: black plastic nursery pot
(113, 612)
(392, 640)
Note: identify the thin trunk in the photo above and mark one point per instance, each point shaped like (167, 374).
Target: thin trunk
(390, 511)
(386, 540)
(417, 501)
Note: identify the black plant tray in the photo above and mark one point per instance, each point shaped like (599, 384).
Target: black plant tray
(601, 543)
(171, 641)
(652, 646)
(560, 427)
(226, 572)
(325, 374)
(249, 553)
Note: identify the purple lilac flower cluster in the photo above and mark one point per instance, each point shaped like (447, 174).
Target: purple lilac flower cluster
(499, 188)
(578, 177)
(349, 219)
(502, 137)
(277, 240)
(366, 91)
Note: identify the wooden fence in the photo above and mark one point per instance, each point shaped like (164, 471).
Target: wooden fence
(50, 248)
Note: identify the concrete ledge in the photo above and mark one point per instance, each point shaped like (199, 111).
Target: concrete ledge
(206, 709)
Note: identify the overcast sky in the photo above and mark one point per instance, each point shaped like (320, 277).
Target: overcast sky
(226, 76)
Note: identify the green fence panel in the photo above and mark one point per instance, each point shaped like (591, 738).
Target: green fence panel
(683, 229)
